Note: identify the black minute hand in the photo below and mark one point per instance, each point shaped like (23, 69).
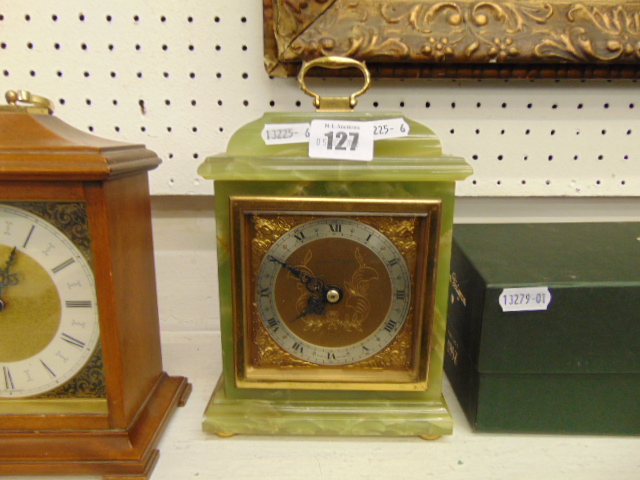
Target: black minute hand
(313, 284)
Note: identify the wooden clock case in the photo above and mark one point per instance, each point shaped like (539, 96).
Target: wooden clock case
(44, 159)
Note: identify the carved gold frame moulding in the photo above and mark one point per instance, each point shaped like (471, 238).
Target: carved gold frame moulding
(459, 38)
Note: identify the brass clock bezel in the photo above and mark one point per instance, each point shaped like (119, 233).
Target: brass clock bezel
(370, 374)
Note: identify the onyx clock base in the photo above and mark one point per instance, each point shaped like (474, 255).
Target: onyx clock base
(419, 415)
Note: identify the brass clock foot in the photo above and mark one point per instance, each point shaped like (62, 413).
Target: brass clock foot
(225, 435)
(430, 437)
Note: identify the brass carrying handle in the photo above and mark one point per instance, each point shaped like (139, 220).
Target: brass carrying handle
(34, 103)
(334, 104)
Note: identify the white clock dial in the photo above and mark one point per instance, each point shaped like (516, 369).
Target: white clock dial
(48, 306)
(333, 291)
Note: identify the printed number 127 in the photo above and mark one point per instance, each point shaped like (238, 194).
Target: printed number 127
(341, 140)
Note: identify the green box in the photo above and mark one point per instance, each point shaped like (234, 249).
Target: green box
(572, 368)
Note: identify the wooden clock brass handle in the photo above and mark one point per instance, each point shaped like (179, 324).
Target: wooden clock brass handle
(334, 104)
(34, 103)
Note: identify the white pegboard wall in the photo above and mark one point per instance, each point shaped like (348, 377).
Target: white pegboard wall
(181, 77)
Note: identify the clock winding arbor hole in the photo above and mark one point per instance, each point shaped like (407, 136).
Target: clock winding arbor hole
(32, 311)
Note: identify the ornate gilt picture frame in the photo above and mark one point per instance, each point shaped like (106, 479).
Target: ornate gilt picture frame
(458, 38)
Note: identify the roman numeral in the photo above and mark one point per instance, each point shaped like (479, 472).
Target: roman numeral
(331, 356)
(265, 292)
(335, 227)
(78, 303)
(298, 347)
(48, 369)
(390, 326)
(64, 264)
(401, 294)
(393, 262)
(272, 323)
(73, 341)
(33, 227)
(299, 236)
(8, 381)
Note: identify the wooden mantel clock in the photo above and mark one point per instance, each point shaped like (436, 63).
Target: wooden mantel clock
(82, 389)
(333, 273)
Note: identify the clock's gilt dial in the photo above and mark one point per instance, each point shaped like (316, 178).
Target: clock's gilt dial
(333, 291)
(48, 307)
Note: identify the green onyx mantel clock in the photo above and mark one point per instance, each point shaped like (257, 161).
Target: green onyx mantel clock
(82, 388)
(333, 274)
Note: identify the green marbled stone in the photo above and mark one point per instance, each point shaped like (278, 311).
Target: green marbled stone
(411, 167)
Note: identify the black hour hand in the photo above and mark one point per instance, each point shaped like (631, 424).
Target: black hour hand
(315, 306)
